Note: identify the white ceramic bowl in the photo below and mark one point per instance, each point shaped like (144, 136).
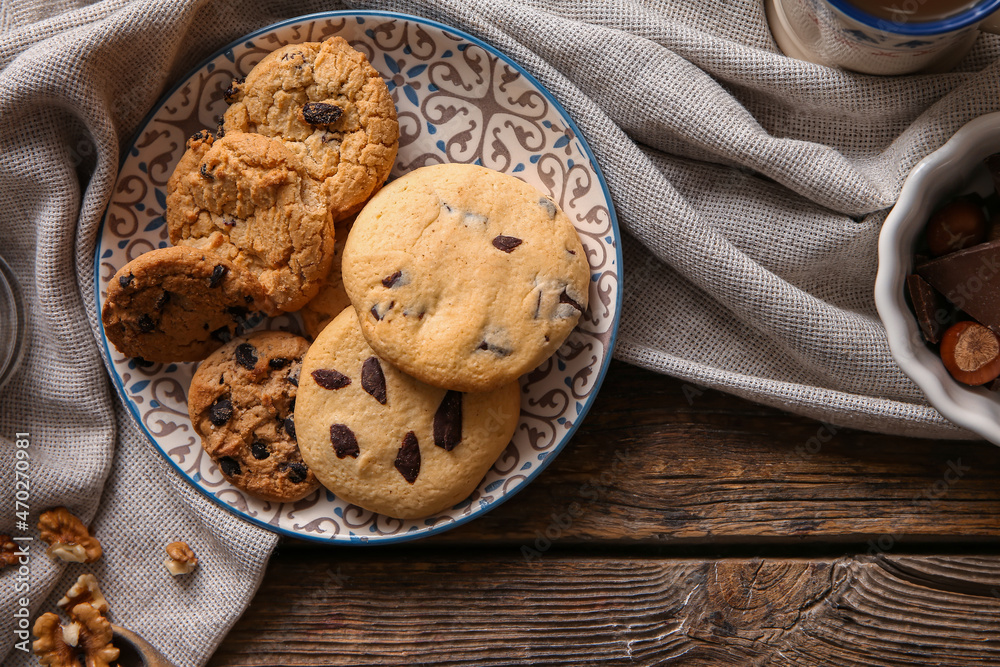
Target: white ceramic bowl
(955, 168)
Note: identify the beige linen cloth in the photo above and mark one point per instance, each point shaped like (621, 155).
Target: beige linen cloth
(750, 189)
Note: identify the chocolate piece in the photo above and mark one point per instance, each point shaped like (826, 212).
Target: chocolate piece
(221, 411)
(218, 273)
(389, 281)
(293, 376)
(321, 113)
(125, 281)
(343, 441)
(934, 313)
(205, 173)
(377, 315)
(329, 378)
(408, 459)
(297, 472)
(232, 91)
(549, 207)
(565, 298)
(448, 421)
(230, 466)
(506, 243)
(290, 426)
(162, 300)
(146, 323)
(373, 379)
(495, 349)
(259, 450)
(970, 279)
(278, 363)
(246, 356)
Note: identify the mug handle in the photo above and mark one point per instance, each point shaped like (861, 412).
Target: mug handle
(991, 23)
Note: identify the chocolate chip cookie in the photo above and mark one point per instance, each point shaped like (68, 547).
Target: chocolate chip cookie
(382, 440)
(249, 199)
(465, 277)
(242, 402)
(331, 108)
(178, 304)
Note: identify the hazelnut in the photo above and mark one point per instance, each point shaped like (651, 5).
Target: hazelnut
(67, 537)
(8, 551)
(85, 641)
(84, 591)
(971, 353)
(957, 225)
(181, 559)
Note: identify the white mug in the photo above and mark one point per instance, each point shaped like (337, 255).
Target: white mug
(838, 34)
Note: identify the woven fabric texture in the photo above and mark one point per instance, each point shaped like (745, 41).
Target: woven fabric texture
(750, 188)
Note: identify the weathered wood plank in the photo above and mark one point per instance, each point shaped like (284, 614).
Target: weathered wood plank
(369, 607)
(649, 466)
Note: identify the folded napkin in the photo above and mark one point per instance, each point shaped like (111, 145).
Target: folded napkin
(750, 187)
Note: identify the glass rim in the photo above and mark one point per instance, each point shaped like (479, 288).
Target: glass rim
(964, 19)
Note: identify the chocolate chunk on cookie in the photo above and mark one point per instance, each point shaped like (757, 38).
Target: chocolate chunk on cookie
(386, 441)
(465, 277)
(248, 198)
(330, 107)
(242, 403)
(177, 304)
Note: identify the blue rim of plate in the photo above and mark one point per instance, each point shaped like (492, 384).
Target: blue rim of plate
(612, 339)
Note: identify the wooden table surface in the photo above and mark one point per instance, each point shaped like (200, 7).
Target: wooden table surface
(678, 527)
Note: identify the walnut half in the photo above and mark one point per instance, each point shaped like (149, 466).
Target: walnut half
(8, 551)
(86, 641)
(181, 559)
(84, 591)
(67, 537)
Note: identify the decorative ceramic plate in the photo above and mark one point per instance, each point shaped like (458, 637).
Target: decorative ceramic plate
(458, 100)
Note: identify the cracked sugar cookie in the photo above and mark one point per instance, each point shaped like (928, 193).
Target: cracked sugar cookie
(178, 304)
(465, 277)
(331, 108)
(387, 442)
(248, 198)
(242, 402)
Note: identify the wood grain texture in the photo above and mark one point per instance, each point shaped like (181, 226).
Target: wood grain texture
(583, 567)
(363, 608)
(660, 462)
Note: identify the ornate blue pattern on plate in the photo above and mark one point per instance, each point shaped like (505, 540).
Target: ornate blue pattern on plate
(458, 100)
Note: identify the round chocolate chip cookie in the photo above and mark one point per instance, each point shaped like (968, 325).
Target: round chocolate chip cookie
(242, 402)
(465, 277)
(249, 199)
(382, 440)
(178, 304)
(331, 108)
